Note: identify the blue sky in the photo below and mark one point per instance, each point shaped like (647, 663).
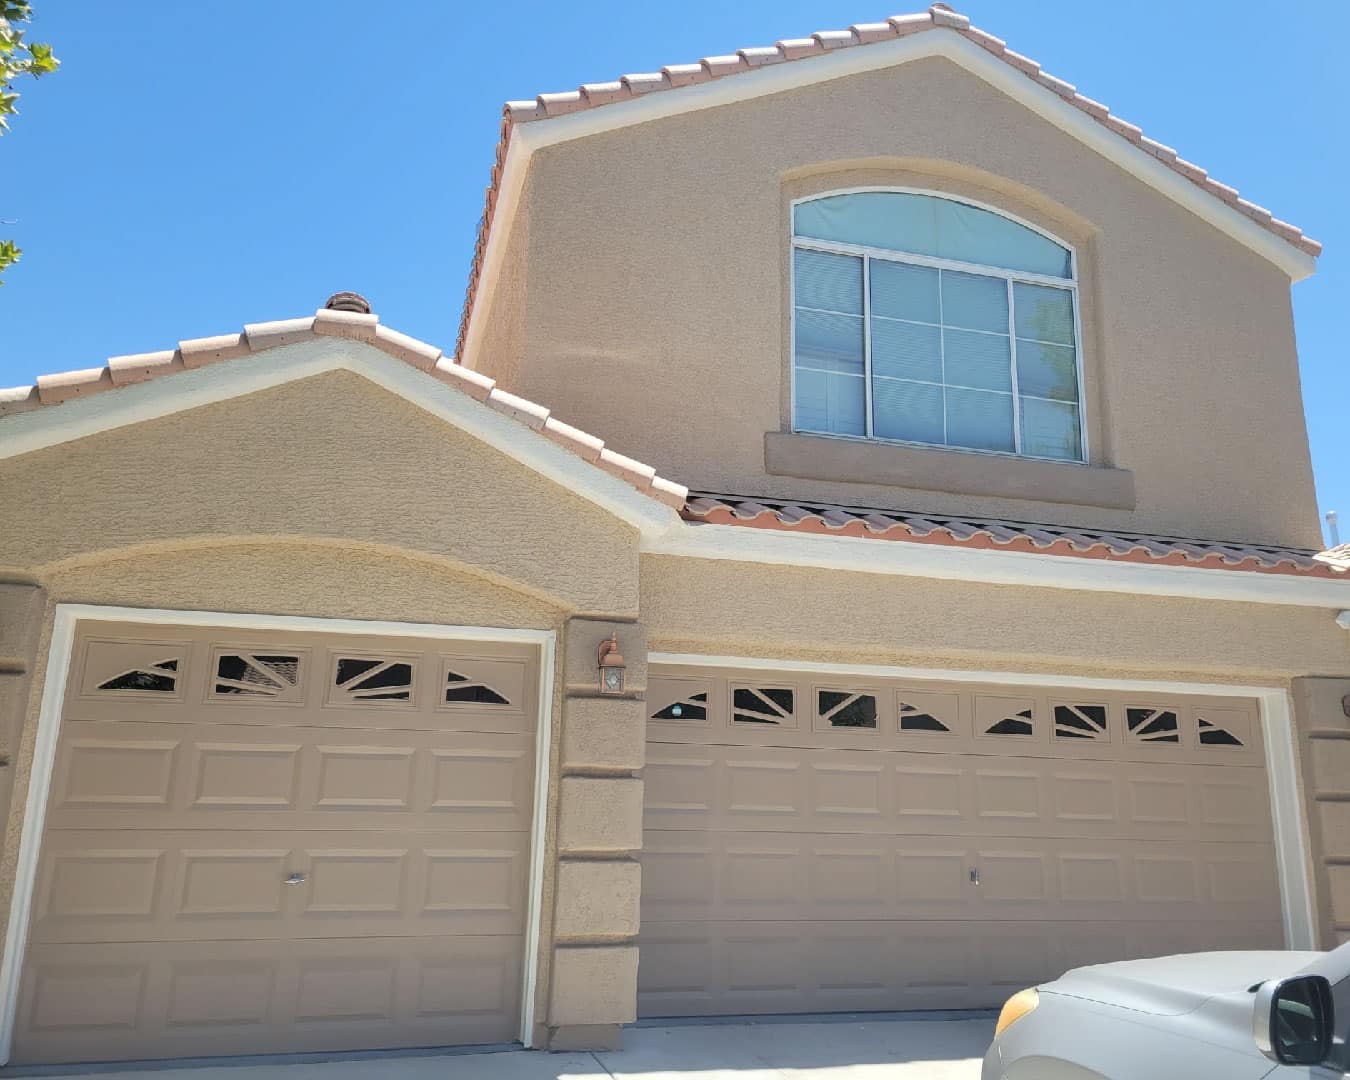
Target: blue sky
(195, 166)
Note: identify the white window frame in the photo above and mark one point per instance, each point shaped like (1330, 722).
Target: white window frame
(1010, 277)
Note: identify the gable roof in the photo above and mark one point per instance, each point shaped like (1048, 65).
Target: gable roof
(121, 371)
(939, 17)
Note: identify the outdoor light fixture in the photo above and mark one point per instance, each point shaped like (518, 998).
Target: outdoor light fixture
(612, 666)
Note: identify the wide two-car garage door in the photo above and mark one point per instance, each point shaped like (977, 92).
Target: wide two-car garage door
(268, 841)
(827, 843)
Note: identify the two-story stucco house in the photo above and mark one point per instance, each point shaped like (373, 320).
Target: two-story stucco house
(916, 446)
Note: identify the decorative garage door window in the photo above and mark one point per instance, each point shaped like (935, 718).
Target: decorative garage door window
(1080, 722)
(1153, 725)
(247, 675)
(693, 707)
(1216, 729)
(751, 708)
(1005, 716)
(161, 677)
(367, 680)
(846, 709)
(918, 713)
(463, 689)
(771, 705)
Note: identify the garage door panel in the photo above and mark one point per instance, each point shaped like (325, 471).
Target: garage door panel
(280, 842)
(707, 969)
(693, 788)
(941, 845)
(148, 885)
(124, 1002)
(810, 876)
(138, 775)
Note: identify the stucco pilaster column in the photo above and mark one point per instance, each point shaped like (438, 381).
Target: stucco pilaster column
(22, 603)
(1322, 720)
(593, 987)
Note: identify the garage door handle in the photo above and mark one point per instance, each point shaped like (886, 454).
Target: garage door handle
(975, 876)
(295, 878)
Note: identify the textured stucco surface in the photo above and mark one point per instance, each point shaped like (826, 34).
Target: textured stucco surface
(656, 268)
(329, 456)
(750, 609)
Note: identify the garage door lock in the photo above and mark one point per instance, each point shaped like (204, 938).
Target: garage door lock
(295, 878)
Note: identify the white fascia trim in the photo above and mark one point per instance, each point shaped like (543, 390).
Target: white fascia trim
(67, 619)
(1291, 853)
(81, 417)
(745, 86)
(990, 566)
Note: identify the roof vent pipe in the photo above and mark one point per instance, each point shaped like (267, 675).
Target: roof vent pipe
(348, 301)
(1332, 528)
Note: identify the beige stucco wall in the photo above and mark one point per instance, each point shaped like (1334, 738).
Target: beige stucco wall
(655, 272)
(327, 457)
(752, 609)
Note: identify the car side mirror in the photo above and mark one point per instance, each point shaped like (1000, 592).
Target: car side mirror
(1293, 1020)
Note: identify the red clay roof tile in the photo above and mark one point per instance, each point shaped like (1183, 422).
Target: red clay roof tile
(955, 530)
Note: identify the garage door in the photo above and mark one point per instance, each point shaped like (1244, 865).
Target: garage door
(269, 842)
(818, 843)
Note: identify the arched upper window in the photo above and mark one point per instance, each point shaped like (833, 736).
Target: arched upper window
(918, 318)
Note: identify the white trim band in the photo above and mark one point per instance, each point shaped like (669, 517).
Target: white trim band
(988, 566)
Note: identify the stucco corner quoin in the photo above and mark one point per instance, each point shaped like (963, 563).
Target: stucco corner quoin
(69, 617)
(600, 107)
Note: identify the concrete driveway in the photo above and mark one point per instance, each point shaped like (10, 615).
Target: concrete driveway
(833, 1049)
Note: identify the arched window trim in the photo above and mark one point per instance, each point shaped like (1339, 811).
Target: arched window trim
(1069, 284)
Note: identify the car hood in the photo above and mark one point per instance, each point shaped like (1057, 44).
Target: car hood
(1172, 985)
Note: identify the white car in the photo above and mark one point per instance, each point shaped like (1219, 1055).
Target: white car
(1226, 1015)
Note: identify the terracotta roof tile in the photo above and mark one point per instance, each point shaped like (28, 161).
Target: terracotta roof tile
(121, 371)
(353, 325)
(133, 369)
(269, 335)
(408, 349)
(937, 17)
(527, 412)
(54, 389)
(476, 385)
(585, 445)
(954, 530)
(1338, 557)
(209, 350)
(19, 399)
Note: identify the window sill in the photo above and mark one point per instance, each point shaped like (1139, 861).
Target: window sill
(855, 461)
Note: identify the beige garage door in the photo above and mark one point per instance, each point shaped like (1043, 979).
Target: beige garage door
(267, 842)
(819, 843)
